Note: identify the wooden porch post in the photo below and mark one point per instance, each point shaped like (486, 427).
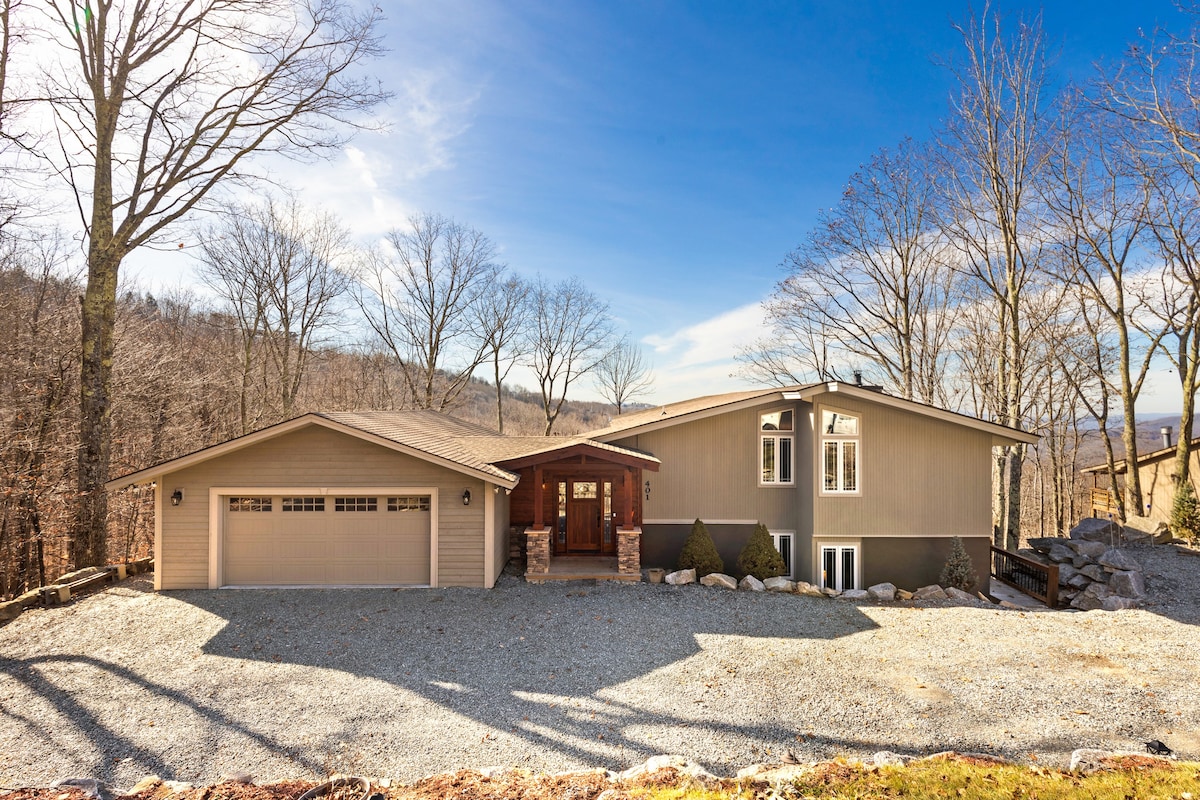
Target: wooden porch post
(537, 498)
(628, 498)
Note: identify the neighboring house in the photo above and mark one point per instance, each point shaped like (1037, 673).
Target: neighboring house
(1157, 473)
(855, 486)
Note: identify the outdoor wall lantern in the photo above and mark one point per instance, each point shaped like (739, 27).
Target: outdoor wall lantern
(177, 497)
(466, 497)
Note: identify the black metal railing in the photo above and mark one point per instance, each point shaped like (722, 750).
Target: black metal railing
(1031, 577)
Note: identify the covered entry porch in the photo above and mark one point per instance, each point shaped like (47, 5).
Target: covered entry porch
(579, 507)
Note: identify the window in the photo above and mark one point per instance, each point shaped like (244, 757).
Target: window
(562, 513)
(303, 504)
(840, 452)
(408, 504)
(249, 504)
(356, 504)
(776, 444)
(839, 566)
(783, 543)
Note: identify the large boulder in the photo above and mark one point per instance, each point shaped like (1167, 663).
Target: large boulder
(681, 764)
(1153, 530)
(1065, 573)
(779, 584)
(1128, 583)
(1117, 603)
(1115, 559)
(720, 580)
(1079, 581)
(808, 589)
(931, 592)
(681, 577)
(1060, 553)
(1087, 549)
(1091, 598)
(1097, 530)
(1095, 572)
(10, 610)
(1044, 543)
(954, 593)
(883, 591)
(751, 584)
(855, 594)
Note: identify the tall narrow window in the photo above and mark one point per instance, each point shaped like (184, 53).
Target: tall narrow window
(839, 453)
(776, 447)
(839, 566)
(783, 543)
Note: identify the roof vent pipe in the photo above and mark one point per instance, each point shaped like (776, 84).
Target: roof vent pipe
(858, 377)
(1165, 430)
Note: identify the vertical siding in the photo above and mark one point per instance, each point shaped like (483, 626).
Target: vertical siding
(1158, 484)
(919, 477)
(317, 457)
(711, 469)
(500, 531)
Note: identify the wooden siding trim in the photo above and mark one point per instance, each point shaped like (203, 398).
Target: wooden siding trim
(216, 517)
(489, 534)
(772, 397)
(158, 532)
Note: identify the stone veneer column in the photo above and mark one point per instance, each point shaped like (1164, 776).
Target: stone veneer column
(537, 551)
(629, 551)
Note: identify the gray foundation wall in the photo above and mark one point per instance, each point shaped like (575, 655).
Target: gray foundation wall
(661, 544)
(913, 562)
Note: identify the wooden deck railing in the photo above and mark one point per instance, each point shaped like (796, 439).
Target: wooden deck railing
(1031, 577)
(1103, 502)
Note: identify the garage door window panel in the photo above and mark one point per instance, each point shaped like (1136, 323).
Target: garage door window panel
(408, 504)
(356, 504)
(303, 504)
(259, 504)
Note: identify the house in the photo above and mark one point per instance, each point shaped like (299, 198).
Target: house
(855, 486)
(1157, 473)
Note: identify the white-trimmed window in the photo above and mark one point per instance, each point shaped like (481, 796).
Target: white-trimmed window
(839, 566)
(783, 543)
(777, 432)
(840, 453)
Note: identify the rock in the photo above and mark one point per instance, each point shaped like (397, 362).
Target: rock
(950, 755)
(680, 764)
(1117, 603)
(493, 772)
(1091, 598)
(1067, 595)
(1083, 547)
(720, 580)
(31, 598)
(1128, 583)
(1008, 604)
(1139, 527)
(1065, 573)
(779, 585)
(1094, 572)
(886, 758)
(830, 592)
(855, 594)
(808, 589)
(751, 584)
(1116, 559)
(904, 594)
(773, 773)
(89, 786)
(1088, 760)
(236, 777)
(1097, 530)
(1043, 544)
(1033, 555)
(681, 577)
(932, 592)
(1060, 553)
(11, 610)
(178, 786)
(958, 594)
(147, 782)
(883, 591)
(1079, 581)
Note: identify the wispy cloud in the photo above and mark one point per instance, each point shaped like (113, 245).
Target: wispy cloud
(700, 359)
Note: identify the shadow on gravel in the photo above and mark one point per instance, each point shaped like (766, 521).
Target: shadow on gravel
(545, 664)
(105, 734)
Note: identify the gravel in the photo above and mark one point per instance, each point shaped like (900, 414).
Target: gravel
(302, 683)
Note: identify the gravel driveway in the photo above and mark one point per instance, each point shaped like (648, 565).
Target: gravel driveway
(301, 683)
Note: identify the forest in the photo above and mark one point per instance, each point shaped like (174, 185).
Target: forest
(1028, 261)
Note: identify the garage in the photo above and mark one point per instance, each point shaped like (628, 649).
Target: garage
(310, 538)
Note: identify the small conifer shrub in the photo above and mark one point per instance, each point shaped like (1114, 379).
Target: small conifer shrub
(1185, 514)
(959, 572)
(699, 552)
(759, 557)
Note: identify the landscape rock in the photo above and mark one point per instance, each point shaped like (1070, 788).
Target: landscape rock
(1097, 530)
(89, 786)
(1116, 559)
(1095, 572)
(932, 592)
(1088, 760)
(1032, 555)
(681, 577)
(886, 758)
(883, 591)
(1128, 583)
(955, 593)
(719, 579)
(808, 589)
(1083, 547)
(1042, 544)
(830, 592)
(1079, 581)
(11, 610)
(779, 584)
(680, 764)
(177, 787)
(1156, 530)
(236, 777)
(1117, 603)
(752, 584)
(855, 594)
(146, 783)
(1060, 553)
(1091, 598)
(773, 773)
(1065, 573)
(904, 594)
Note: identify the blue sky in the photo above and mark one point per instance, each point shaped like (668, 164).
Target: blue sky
(669, 153)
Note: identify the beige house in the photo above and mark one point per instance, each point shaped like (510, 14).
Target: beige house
(855, 486)
(1157, 473)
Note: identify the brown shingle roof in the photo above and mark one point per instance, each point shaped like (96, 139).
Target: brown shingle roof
(683, 408)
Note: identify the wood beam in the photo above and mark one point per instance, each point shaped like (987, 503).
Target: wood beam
(538, 495)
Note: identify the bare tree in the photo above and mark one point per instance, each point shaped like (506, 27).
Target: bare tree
(571, 333)
(623, 374)
(277, 266)
(420, 298)
(156, 104)
(874, 277)
(997, 147)
(500, 316)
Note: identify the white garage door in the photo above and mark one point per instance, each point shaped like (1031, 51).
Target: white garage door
(307, 540)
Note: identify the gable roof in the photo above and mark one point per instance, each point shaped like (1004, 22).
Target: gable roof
(1121, 465)
(429, 435)
(712, 405)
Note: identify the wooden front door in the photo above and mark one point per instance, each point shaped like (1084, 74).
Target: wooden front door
(585, 523)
